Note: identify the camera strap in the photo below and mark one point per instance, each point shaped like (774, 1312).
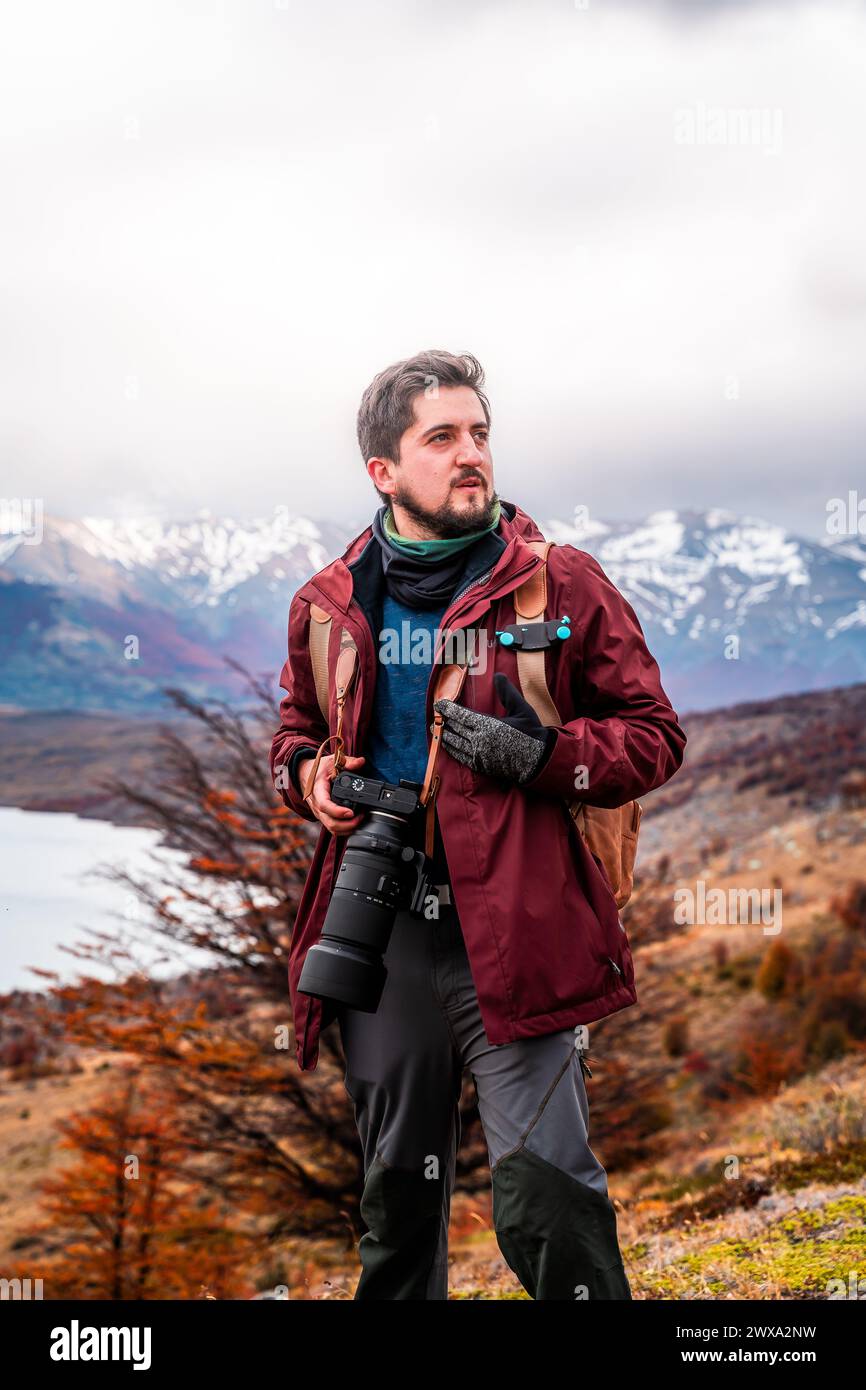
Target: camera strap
(448, 684)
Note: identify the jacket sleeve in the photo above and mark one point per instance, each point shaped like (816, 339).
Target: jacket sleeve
(302, 727)
(626, 739)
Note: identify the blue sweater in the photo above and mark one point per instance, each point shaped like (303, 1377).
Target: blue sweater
(397, 743)
(397, 740)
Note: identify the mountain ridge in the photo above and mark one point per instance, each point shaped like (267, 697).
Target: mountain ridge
(733, 607)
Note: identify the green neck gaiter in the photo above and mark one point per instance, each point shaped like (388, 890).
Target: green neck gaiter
(439, 546)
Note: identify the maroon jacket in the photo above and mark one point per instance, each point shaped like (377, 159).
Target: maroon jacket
(536, 910)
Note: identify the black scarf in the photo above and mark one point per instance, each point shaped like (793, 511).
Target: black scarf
(424, 581)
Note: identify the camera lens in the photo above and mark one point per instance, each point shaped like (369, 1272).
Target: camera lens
(375, 878)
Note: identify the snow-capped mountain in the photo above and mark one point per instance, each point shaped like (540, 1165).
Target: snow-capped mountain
(100, 614)
(736, 608)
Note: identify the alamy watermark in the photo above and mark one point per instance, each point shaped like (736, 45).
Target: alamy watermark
(756, 127)
(703, 906)
(22, 516)
(422, 646)
(846, 516)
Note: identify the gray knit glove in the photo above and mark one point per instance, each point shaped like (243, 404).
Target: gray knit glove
(512, 748)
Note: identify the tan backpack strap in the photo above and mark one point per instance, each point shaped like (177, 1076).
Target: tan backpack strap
(347, 664)
(320, 634)
(530, 606)
(447, 686)
(530, 597)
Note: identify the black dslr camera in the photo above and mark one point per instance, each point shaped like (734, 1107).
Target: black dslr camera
(380, 873)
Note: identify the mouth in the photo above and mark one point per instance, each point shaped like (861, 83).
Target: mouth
(471, 482)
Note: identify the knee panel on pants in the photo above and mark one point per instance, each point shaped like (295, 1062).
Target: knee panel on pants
(403, 1211)
(557, 1234)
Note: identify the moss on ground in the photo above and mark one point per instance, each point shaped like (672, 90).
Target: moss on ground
(795, 1256)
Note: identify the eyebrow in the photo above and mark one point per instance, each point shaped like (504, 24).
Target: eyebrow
(434, 429)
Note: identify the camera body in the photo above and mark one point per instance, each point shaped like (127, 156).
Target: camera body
(380, 874)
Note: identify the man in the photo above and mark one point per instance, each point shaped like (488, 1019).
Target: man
(527, 944)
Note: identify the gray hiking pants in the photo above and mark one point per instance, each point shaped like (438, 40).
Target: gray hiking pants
(554, 1221)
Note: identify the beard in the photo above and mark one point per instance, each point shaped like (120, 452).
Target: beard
(448, 521)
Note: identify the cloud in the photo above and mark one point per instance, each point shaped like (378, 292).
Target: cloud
(223, 220)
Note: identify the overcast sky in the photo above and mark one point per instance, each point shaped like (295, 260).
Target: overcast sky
(221, 219)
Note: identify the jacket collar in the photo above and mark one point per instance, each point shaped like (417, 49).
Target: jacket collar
(357, 573)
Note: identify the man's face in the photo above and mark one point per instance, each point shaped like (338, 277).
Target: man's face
(443, 482)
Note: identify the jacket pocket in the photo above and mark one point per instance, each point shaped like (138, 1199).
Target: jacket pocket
(606, 935)
(630, 830)
(610, 834)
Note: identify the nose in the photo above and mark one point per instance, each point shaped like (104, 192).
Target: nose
(468, 451)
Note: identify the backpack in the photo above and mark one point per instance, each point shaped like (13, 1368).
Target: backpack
(610, 833)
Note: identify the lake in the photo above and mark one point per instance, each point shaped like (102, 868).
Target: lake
(50, 894)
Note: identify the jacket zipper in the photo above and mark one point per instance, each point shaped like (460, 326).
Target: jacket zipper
(483, 577)
(480, 580)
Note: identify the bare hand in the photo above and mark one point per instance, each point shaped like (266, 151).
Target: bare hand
(340, 820)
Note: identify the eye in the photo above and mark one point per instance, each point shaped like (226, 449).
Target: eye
(442, 435)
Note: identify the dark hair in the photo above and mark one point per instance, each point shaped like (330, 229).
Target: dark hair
(386, 410)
